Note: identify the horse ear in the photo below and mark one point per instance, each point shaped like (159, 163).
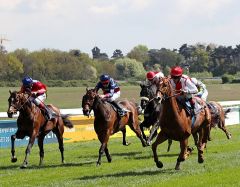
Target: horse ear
(10, 92)
(87, 89)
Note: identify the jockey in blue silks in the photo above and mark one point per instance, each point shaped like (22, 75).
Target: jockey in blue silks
(111, 92)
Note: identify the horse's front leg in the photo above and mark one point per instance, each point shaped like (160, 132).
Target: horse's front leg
(17, 135)
(142, 129)
(104, 141)
(160, 139)
(41, 150)
(28, 150)
(183, 153)
(124, 137)
(14, 158)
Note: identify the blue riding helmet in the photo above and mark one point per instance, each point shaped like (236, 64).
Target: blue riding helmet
(27, 81)
(104, 78)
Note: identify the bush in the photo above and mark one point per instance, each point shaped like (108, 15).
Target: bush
(226, 78)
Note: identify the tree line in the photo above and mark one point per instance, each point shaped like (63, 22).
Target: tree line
(55, 66)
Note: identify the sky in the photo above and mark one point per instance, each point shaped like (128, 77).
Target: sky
(117, 24)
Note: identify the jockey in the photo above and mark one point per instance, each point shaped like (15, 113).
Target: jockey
(111, 92)
(154, 77)
(202, 90)
(183, 84)
(37, 92)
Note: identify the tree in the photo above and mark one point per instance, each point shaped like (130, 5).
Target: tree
(139, 53)
(129, 68)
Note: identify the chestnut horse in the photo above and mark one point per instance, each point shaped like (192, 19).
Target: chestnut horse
(32, 123)
(177, 125)
(107, 122)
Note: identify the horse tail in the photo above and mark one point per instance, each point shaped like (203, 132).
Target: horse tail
(66, 121)
(226, 112)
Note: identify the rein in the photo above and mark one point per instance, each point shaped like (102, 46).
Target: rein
(19, 108)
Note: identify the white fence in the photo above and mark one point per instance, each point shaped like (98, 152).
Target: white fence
(233, 117)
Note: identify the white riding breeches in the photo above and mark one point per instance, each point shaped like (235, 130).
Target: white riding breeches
(38, 100)
(114, 97)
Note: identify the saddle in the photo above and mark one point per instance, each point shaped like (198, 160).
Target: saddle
(198, 107)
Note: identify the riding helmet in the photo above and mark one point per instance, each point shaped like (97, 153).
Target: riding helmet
(176, 71)
(150, 75)
(104, 78)
(27, 81)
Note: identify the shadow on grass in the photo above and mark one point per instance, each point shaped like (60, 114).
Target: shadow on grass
(128, 174)
(48, 166)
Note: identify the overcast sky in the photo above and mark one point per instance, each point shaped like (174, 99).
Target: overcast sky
(118, 24)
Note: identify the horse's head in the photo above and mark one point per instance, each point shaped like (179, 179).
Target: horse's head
(88, 100)
(147, 92)
(16, 101)
(164, 87)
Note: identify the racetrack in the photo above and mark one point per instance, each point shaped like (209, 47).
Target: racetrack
(131, 166)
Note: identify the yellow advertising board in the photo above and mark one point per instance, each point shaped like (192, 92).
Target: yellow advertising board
(84, 130)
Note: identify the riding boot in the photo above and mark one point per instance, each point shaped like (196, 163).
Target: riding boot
(48, 112)
(121, 111)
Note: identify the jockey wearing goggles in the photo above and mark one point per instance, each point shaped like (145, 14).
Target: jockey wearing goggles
(182, 83)
(111, 92)
(37, 91)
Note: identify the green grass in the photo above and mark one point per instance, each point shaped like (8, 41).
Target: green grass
(71, 97)
(131, 166)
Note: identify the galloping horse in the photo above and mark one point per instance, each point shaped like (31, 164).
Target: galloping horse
(31, 122)
(151, 109)
(218, 116)
(107, 121)
(177, 125)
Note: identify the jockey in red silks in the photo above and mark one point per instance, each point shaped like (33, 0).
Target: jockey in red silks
(111, 92)
(37, 91)
(154, 77)
(183, 84)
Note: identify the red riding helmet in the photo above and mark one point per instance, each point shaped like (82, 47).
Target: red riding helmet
(150, 75)
(176, 71)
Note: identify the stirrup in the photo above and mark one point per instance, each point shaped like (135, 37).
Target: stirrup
(122, 113)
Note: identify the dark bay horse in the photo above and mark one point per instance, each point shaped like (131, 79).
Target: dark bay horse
(107, 122)
(32, 123)
(151, 107)
(177, 125)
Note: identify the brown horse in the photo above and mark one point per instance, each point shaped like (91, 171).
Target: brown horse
(107, 122)
(31, 122)
(218, 116)
(177, 125)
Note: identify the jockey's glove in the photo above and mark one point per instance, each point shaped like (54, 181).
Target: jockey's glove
(34, 94)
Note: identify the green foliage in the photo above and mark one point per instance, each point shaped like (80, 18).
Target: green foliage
(226, 78)
(128, 68)
(139, 53)
(204, 74)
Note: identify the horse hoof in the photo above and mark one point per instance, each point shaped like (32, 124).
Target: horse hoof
(14, 160)
(98, 164)
(200, 160)
(149, 143)
(126, 144)
(159, 164)
(24, 166)
(229, 136)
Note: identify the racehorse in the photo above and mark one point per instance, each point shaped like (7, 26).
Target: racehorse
(32, 123)
(151, 108)
(107, 121)
(218, 116)
(177, 124)
(147, 93)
